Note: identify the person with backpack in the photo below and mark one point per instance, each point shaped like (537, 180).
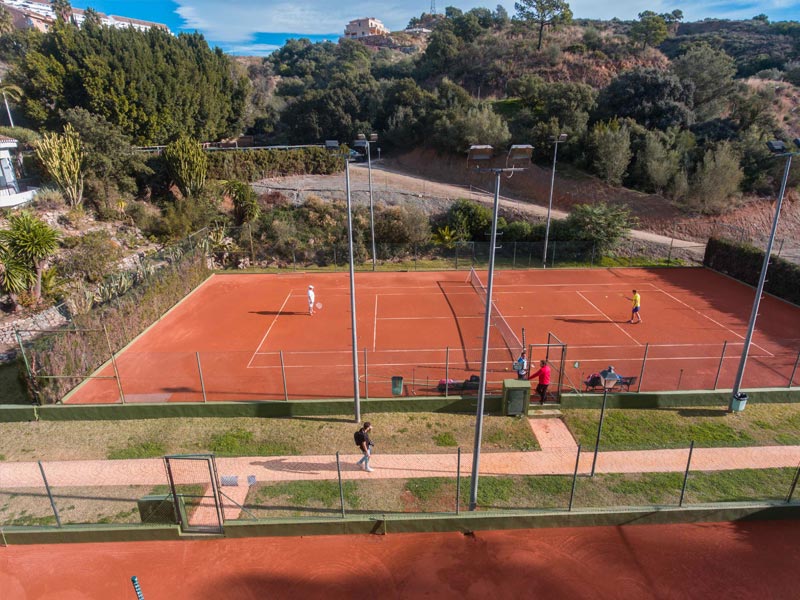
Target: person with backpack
(365, 444)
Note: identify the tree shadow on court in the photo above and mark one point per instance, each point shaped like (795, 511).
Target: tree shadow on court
(278, 312)
(587, 321)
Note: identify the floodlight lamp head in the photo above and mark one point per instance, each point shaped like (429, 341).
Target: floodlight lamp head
(796, 141)
(562, 137)
(520, 153)
(609, 382)
(361, 136)
(480, 153)
(360, 143)
(373, 137)
(331, 144)
(776, 146)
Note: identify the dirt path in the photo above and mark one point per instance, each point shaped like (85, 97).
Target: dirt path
(394, 187)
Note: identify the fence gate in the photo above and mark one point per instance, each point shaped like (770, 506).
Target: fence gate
(194, 486)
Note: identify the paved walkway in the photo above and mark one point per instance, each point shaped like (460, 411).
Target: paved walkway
(557, 457)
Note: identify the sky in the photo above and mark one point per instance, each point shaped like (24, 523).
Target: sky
(257, 27)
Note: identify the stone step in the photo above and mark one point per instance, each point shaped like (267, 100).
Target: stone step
(544, 413)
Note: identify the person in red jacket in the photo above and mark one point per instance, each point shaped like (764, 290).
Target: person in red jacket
(544, 379)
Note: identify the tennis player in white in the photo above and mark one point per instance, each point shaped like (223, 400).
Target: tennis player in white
(311, 299)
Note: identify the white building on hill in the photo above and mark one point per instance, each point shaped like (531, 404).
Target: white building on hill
(39, 14)
(365, 27)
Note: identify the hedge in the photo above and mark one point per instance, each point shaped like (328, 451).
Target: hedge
(743, 262)
(252, 165)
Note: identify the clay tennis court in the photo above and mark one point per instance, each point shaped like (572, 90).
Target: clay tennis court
(246, 332)
(713, 560)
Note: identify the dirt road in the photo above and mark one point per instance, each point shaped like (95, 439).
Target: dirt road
(394, 187)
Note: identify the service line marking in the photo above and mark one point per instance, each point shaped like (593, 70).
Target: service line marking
(610, 320)
(271, 325)
(717, 323)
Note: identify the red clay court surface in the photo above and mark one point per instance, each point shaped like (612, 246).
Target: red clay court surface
(240, 323)
(703, 561)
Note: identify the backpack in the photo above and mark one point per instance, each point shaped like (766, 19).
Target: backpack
(358, 437)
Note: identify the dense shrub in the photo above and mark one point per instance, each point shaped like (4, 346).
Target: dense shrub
(743, 262)
(252, 165)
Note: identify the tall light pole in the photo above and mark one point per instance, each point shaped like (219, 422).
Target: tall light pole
(478, 154)
(739, 400)
(363, 142)
(334, 146)
(556, 140)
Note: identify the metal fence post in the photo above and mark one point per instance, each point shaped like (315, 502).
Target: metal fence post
(514, 258)
(114, 365)
(794, 370)
(200, 371)
(458, 482)
(669, 255)
(794, 485)
(341, 487)
(456, 256)
(599, 430)
(283, 375)
(553, 258)
(334, 259)
(446, 371)
(680, 378)
(644, 362)
(721, 360)
(366, 377)
(686, 473)
(49, 494)
(574, 477)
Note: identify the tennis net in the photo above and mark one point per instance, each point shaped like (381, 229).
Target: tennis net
(498, 320)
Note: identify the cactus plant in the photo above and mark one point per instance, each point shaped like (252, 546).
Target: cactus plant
(63, 158)
(187, 164)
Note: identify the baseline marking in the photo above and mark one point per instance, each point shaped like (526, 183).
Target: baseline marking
(271, 325)
(717, 323)
(609, 319)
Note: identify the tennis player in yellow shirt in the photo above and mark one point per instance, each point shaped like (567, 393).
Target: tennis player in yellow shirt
(637, 303)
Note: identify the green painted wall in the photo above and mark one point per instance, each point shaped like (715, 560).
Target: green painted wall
(478, 521)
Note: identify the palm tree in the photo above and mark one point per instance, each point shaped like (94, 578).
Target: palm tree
(14, 277)
(9, 90)
(30, 242)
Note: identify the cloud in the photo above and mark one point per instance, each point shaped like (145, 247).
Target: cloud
(241, 20)
(239, 26)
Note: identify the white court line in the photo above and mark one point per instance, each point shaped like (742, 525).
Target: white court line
(717, 323)
(271, 325)
(431, 364)
(610, 320)
(535, 316)
(375, 325)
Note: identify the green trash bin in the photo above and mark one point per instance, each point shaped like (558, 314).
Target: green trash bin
(397, 386)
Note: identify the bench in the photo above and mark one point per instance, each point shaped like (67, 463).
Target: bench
(623, 384)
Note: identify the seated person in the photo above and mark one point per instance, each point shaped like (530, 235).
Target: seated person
(610, 373)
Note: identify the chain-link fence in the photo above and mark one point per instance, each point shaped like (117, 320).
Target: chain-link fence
(406, 373)
(241, 248)
(554, 478)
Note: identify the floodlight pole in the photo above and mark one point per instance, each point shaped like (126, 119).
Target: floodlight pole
(556, 141)
(476, 454)
(371, 207)
(516, 153)
(356, 397)
(735, 404)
